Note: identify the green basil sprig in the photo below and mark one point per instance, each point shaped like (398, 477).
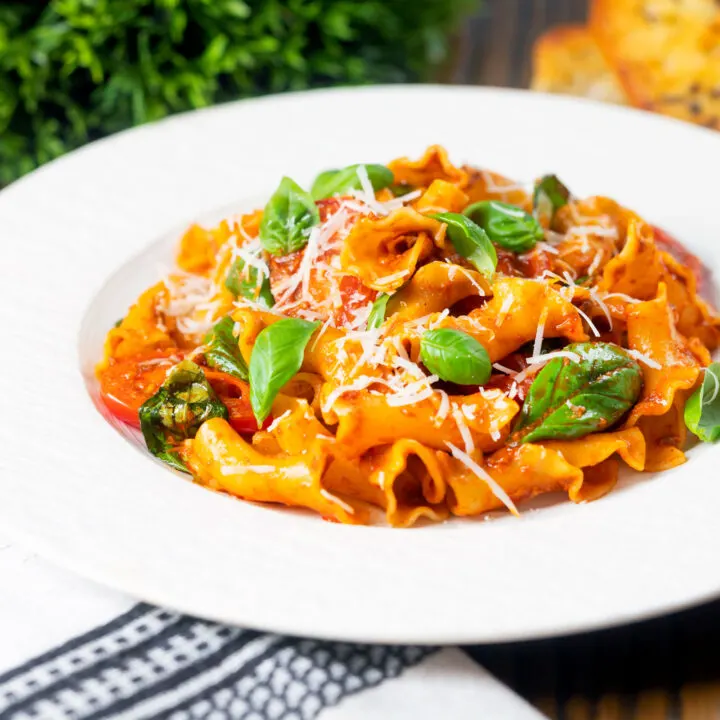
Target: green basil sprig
(549, 196)
(570, 399)
(177, 410)
(339, 182)
(222, 351)
(702, 410)
(398, 190)
(507, 225)
(276, 356)
(244, 281)
(287, 219)
(377, 313)
(455, 356)
(470, 241)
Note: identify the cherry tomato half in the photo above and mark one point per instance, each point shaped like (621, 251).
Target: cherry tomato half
(240, 416)
(126, 384)
(235, 395)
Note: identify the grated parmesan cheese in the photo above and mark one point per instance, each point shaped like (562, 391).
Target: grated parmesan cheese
(400, 399)
(368, 201)
(381, 479)
(587, 319)
(392, 278)
(443, 408)
(459, 268)
(413, 393)
(239, 469)
(711, 400)
(503, 369)
(469, 411)
(597, 230)
(637, 355)
(481, 473)
(547, 247)
(273, 425)
(361, 383)
(399, 347)
(537, 345)
(622, 296)
(541, 359)
(434, 324)
(596, 299)
(463, 429)
(406, 364)
(360, 317)
(550, 274)
(335, 499)
(504, 309)
(320, 334)
(492, 187)
(152, 362)
(595, 264)
(252, 259)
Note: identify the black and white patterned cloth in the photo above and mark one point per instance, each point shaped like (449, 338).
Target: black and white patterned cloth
(111, 658)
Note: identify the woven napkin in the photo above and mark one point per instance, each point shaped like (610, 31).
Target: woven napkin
(71, 649)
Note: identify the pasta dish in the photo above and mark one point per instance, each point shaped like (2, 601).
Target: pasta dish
(420, 340)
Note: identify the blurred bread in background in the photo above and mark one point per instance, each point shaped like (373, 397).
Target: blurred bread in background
(567, 60)
(659, 55)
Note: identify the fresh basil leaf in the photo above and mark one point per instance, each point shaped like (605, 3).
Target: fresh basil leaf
(172, 459)
(276, 356)
(287, 219)
(176, 411)
(222, 351)
(244, 281)
(400, 190)
(377, 314)
(322, 181)
(549, 196)
(455, 356)
(702, 410)
(506, 225)
(339, 182)
(571, 398)
(118, 323)
(470, 241)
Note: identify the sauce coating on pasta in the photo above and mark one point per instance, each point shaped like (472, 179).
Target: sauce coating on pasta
(420, 340)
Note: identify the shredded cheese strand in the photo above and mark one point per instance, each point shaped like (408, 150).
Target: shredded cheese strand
(481, 473)
(637, 355)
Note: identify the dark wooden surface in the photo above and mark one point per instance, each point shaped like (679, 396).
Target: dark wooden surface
(663, 668)
(659, 669)
(495, 45)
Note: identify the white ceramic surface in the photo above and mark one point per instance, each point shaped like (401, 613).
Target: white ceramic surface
(78, 242)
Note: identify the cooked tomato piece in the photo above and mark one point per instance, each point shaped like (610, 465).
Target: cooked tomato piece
(241, 418)
(235, 395)
(538, 261)
(126, 384)
(355, 296)
(516, 362)
(226, 385)
(329, 206)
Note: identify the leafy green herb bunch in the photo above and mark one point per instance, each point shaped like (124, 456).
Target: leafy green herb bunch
(72, 71)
